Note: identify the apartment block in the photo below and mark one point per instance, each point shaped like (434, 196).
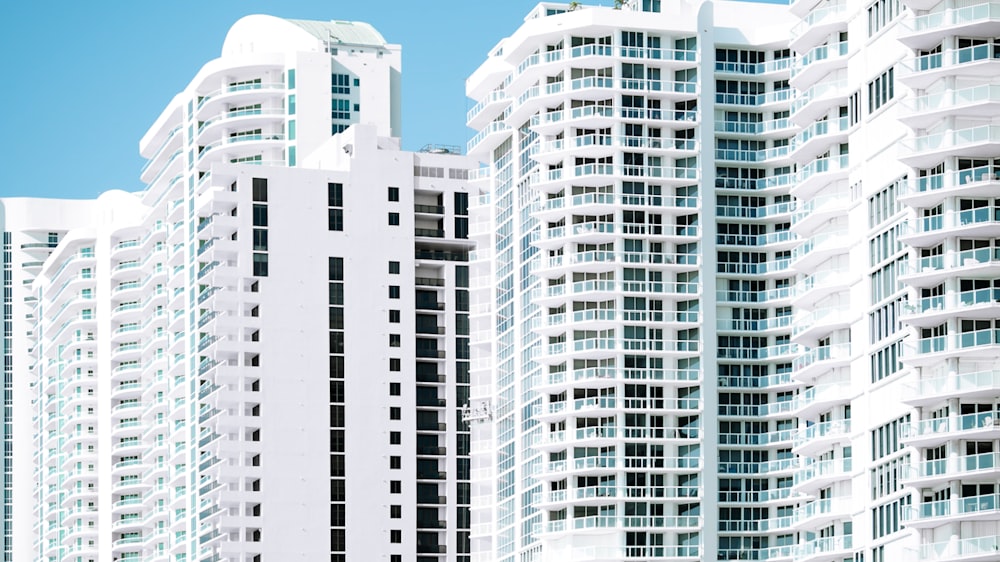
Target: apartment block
(733, 292)
(264, 354)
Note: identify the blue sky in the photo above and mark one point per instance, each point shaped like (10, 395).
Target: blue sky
(84, 80)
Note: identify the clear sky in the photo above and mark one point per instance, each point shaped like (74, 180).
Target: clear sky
(84, 80)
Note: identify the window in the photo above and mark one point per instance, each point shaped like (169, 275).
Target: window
(395, 364)
(394, 316)
(260, 265)
(335, 194)
(395, 413)
(395, 462)
(336, 269)
(260, 215)
(395, 486)
(394, 389)
(880, 90)
(393, 291)
(393, 219)
(394, 268)
(260, 239)
(335, 220)
(395, 437)
(260, 189)
(396, 536)
(393, 194)
(396, 511)
(394, 340)
(880, 13)
(340, 84)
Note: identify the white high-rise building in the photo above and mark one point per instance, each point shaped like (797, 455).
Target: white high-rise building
(263, 356)
(734, 295)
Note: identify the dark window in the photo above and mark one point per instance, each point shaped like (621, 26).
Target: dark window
(393, 194)
(338, 490)
(395, 486)
(260, 215)
(461, 203)
(336, 465)
(260, 265)
(336, 269)
(395, 437)
(336, 318)
(336, 342)
(394, 389)
(396, 511)
(260, 189)
(395, 364)
(336, 367)
(335, 194)
(336, 293)
(394, 267)
(393, 219)
(395, 413)
(394, 316)
(335, 219)
(394, 340)
(338, 515)
(396, 536)
(393, 291)
(395, 462)
(260, 239)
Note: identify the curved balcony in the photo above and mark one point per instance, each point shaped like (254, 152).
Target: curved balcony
(815, 514)
(773, 268)
(968, 385)
(933, 270)
(816, 475)
(814, 400)
(239, 95)
(816, 63)
(240, 119)
(926, 150)
(924, 111)
(979, 61)
(927, 191)
(817, 101)
(819, 437)
(818, 360)
(933, 311)
(966, 509)
(933, 432)
(980, 222)
(818, 24)
(775, 100)
(969, 469)
(972, 549)
(811, 325)
(827, 548)
(928, 30)
(778, 323)
(597, 261)
(818, 174)
(488, 109)
(817, 138)
(819, 248)
(978, 344)
(584, 466)
(781, 352)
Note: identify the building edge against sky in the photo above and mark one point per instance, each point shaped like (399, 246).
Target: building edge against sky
(784, 242)
(224, 367)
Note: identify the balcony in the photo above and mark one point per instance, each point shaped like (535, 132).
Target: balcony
(932, 270)
(972, 549)
(978, 61)
(817, 100)
(981, 101)
(818, 174)
(816, 63)
(817, 138)
(818, 360)
(932, 432)
(983, 467)
(818, 24)
(820, 436)
(927, 150)
(980, 344)
(973, 304)
(811, 325)
(965, 509)
(816, 475)
(976, 384)
(927, 191)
